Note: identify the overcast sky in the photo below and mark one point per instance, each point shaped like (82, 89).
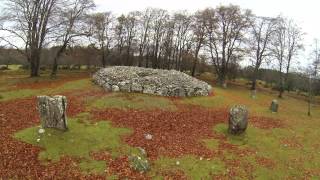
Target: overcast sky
(305, 12)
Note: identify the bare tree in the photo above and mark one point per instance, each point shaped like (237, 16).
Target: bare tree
(199, 35)
(278, 50)
(144, 32)
(120, 35)
(182, 23)
(312, 72)
(130, 27)
(285, 45)
(294, 45)
(26, 23)
(261, 32)
(72, 25)
(101, 32)
(158, 31)
(226, 26)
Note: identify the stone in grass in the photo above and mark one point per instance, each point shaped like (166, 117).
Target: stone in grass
(53, 112)
(139, 163)
(238, 119)
(274, 106)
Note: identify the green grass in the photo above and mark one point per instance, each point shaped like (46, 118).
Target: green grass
(267, 144)
(25, 93)
(192, 166)
(91, 166)
(127, 101)
(79, 141)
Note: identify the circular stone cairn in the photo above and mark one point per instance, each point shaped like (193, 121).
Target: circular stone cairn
(238, 119)
(150, 81)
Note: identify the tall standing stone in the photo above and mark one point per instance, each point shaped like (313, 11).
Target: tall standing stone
(274, 106)
(53, 112)
(238, 119)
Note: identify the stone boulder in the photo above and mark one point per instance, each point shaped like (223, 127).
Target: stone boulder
(53, 112)
(150, 81)
(238, 119)
(274, 106)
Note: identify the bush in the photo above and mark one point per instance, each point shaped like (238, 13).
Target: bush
(139, 163)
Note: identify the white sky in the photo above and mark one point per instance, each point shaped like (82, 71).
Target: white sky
(305, 12)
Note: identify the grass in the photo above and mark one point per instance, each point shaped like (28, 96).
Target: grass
(79, 141)
(193, 167)
(268, 144)
(127, 101)
(25, 93)
(84, 137)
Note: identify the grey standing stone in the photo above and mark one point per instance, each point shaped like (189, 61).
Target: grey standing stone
(53, 112)
(238, 119)
(274, 106)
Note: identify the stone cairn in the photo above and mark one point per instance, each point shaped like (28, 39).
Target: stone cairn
(238, 119)
(53, 112)
(150, 81)
(274, 106)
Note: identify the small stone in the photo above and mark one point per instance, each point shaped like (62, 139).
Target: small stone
(201, 158)
(41, 131)
(115, 88)
(177, 163)
(148, 136)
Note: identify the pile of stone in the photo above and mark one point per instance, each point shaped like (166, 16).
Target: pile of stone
(150, 81)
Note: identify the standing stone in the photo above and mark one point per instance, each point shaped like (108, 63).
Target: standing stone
(238, 119)
(253, 94)
(274, 106)
(53, 112)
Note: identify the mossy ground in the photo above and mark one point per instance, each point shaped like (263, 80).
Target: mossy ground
(293, 149)
(81, 139)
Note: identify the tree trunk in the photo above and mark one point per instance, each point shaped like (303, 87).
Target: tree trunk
(103, 58)
(55, 63)
(195, 63)
(222, 80)
(34, 65)
(310, 96)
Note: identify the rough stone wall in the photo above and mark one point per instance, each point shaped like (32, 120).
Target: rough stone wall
(150, 81)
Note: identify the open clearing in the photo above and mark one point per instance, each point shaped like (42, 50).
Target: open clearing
(189, 135)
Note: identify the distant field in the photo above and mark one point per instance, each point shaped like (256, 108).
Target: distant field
(189, 135)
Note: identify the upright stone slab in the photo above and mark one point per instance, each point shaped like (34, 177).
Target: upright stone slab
(53, 112)
(238, 119)
(274, 106)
